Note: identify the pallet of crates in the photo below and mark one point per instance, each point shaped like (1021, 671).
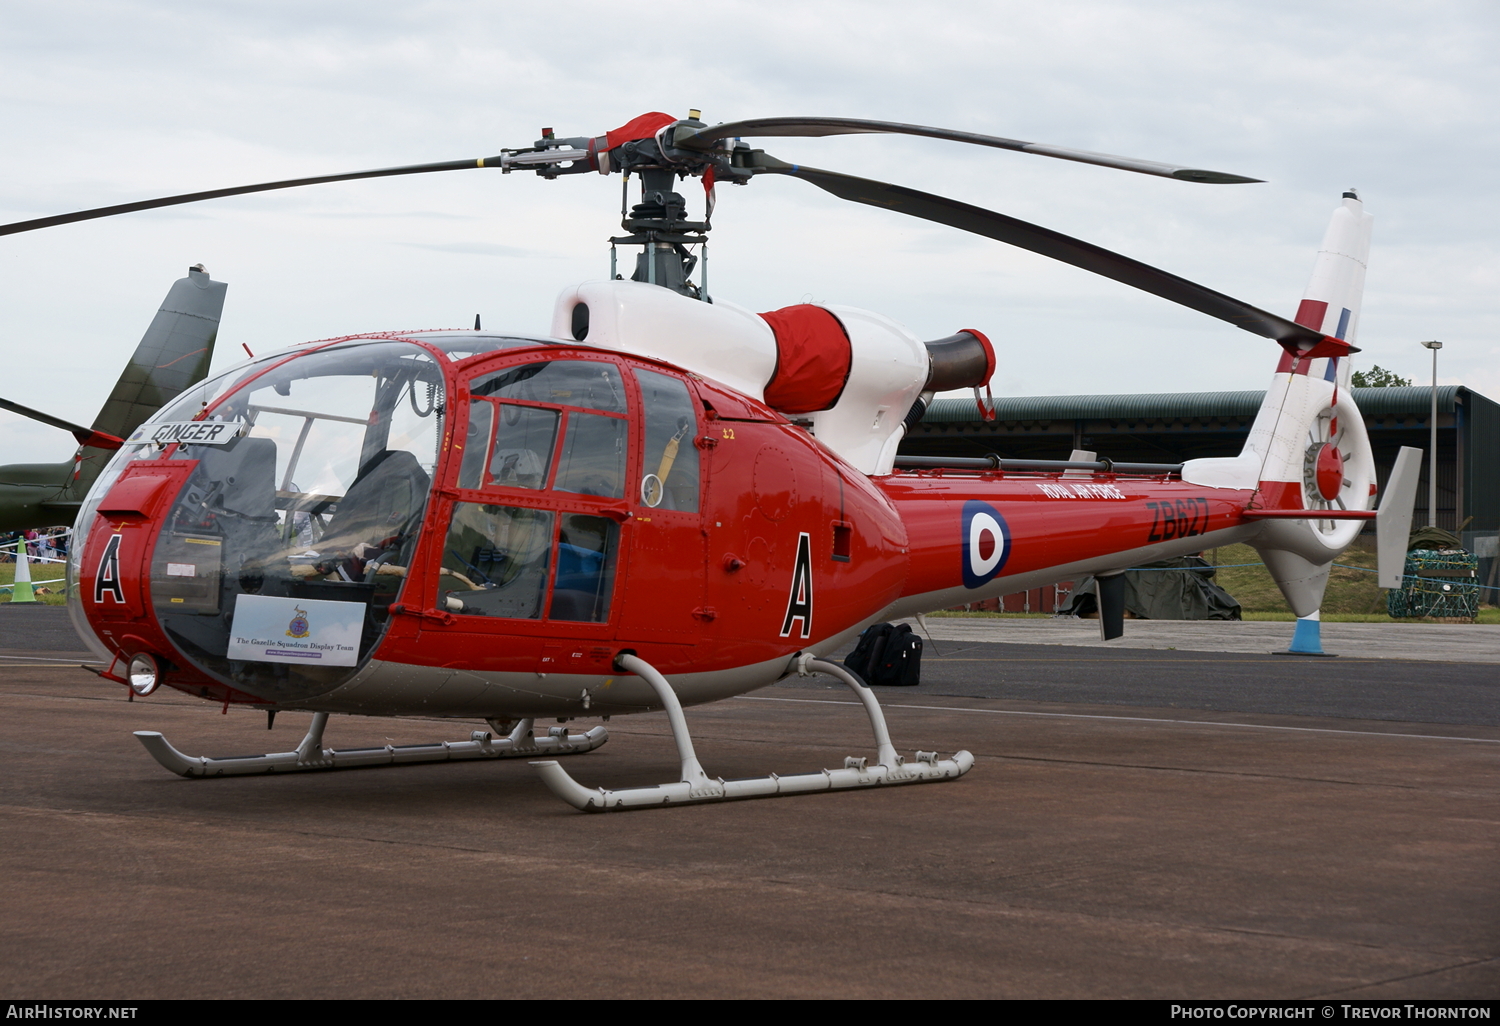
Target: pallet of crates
(1440, 585)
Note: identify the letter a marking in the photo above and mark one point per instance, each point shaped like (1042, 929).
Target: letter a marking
(107, 577)
(799, 604)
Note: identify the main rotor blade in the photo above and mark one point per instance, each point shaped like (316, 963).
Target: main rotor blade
(194, 197)
(704, 138)
(1058, 246)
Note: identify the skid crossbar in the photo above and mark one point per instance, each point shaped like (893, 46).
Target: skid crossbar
(697, 786)
(311, 755)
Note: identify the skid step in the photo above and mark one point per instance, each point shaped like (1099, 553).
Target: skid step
(311, 755)
(718, 790)
(698, 786)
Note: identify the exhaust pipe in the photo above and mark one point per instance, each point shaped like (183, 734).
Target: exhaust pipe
(964, 360)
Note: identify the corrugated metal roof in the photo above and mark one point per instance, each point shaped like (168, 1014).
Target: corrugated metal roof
(1413, 399)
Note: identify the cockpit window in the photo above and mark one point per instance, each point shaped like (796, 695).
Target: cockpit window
(590, 384)
(495, 561)
(460, 345)
(585, 568)
(669, 474)
(476, 445)
(523, 446)
(498, 561)
(513, 439)
(558, 429)
(318, 499)
(593, 456)
(333, 417)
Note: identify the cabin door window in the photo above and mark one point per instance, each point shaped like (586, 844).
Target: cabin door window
(545, 455)
(669, 473)
(496, 561)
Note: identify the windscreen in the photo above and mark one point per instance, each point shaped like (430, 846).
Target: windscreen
(276, 567)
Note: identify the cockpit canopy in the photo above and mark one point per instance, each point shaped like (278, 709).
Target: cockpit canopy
(300, 525)
(315, 494)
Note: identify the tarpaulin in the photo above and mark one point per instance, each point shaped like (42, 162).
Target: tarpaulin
(1169, 589)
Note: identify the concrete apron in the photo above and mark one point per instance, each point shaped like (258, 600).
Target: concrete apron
(1464, 643)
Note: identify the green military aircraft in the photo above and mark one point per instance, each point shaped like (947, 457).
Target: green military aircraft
(174, 354)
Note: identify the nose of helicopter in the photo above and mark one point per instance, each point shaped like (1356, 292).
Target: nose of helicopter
(259, 546)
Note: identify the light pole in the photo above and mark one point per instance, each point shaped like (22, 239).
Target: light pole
(1434, 345)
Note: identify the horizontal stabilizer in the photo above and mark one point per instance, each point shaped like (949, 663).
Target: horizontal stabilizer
(85, 436)
(1309, 514)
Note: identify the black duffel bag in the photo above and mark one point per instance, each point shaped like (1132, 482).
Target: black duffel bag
(887, 654)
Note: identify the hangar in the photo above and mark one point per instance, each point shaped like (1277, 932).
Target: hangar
(1173, 427)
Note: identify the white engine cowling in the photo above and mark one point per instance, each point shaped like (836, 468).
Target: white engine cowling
(887, 372)
(887, 369)
(718, 340)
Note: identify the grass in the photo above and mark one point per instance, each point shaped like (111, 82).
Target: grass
(39, 572)
(1352, 595)
(1350, 592)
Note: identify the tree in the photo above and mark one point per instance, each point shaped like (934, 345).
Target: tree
(1378, 377)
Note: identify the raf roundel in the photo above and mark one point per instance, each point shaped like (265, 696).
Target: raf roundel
(986, 543)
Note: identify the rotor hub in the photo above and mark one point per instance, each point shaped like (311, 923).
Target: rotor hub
(1325, 466)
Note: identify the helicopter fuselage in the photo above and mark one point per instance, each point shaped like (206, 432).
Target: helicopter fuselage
(461, 524)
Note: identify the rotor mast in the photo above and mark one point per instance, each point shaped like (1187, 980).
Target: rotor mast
(660, 226)
(659, 223)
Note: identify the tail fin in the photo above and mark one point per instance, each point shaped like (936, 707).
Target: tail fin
(1308, 403)
(1310, 436)
(1331, 302)
(174, 353)
(1300, 408)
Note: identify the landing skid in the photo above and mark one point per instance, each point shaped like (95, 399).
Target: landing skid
(697, 786)
(311, 755)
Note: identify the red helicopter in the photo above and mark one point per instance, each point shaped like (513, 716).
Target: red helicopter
(666, 500)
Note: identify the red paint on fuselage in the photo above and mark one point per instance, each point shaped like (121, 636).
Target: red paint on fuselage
(1053, 520)
(706, 590)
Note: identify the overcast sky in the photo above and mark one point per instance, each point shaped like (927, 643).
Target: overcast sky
(112, 101)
